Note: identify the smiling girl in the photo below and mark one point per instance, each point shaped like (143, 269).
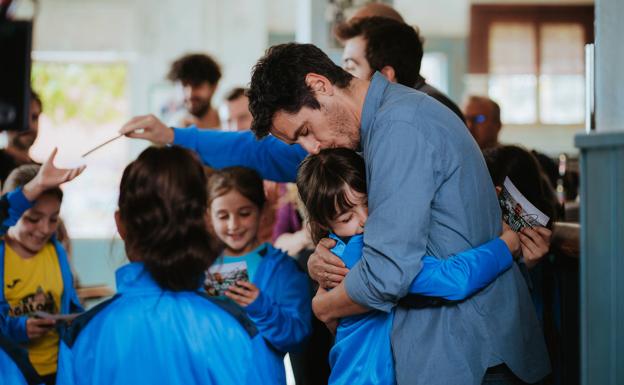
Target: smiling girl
(265, 281)
(34, 269)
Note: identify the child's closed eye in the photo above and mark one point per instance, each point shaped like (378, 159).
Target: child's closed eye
(346, 219)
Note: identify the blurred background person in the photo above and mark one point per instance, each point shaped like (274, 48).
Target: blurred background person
(19, 142)
(235, 111)
(199, 75)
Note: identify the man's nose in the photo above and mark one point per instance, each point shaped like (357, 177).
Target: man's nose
(311, 145)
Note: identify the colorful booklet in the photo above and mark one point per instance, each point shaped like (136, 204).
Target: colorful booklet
(221, 276)
(518, 212)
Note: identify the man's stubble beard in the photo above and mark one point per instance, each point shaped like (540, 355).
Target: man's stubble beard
(199, 109)
(343, 126)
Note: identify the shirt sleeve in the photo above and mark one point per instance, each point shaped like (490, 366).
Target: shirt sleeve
(270, 157)
(12, 206)
(403, 176)
(463, 274)
(285, 320)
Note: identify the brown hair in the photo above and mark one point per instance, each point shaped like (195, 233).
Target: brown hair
(24, 174)
(322, 180)
(244, 180)
(162, 205)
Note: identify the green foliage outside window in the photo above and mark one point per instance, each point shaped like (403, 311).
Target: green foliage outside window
(83, 92)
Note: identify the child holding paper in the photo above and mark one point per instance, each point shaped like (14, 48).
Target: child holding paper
(265, 281)
(34, 270)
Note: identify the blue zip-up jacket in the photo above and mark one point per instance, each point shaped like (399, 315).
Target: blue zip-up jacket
(15, 368)
(282, 312)
(15, 327)
(362, 352)
(147, 335)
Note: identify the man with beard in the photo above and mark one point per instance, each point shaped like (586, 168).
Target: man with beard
(199, 75)
(16, 153)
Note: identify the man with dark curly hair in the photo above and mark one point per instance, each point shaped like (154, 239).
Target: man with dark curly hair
(429, 192)
(199, 75)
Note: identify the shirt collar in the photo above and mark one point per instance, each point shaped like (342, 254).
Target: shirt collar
(372, 102)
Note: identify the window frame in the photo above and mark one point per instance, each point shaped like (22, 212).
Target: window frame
(483, 16)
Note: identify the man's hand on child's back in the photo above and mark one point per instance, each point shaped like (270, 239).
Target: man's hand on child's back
(324, 267)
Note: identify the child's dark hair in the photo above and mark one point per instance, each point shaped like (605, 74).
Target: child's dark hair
(525, 173)
(162, 206)
(24, 174)
(322, 180)
(244, 180)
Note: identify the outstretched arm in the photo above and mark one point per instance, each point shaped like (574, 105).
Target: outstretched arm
(272, 158)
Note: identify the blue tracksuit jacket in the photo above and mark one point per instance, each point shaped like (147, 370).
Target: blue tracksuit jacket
(147, 335)
(282, 312)
(362, 353)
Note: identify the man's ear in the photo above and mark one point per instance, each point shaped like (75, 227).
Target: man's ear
(498, 189)
(388, 73)
(121, 229)
(319, 84)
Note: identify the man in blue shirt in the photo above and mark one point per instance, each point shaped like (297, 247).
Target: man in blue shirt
(429, 193)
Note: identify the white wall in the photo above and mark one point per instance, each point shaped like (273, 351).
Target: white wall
(150, 34)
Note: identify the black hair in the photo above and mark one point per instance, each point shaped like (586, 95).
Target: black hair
(322, 180)
(525, 173)
(388, 43)
(278, 82)
(195, 69)
(244, 180)
(162, 207)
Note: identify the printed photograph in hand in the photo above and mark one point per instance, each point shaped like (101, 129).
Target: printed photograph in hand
(221, 276)
(518, 212)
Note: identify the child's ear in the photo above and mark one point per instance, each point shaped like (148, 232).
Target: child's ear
(498, 190)
(121, 229)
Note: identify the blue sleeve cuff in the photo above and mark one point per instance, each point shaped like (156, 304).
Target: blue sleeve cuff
(18, 201)
(185, 137)
(18, 204)
(258, 309)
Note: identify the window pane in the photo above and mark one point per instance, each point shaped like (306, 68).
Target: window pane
(83, 105)
(562, 49)
(434, 68)
(512, 48)
(562, 99)
(516, 96)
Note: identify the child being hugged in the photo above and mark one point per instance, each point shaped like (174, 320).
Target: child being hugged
(332, 185)
(265, 281)
(34, 270)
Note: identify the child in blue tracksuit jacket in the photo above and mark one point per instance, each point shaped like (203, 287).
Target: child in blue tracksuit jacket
(332, 185)
(265, 281)
(34, 270)
(161, 327)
